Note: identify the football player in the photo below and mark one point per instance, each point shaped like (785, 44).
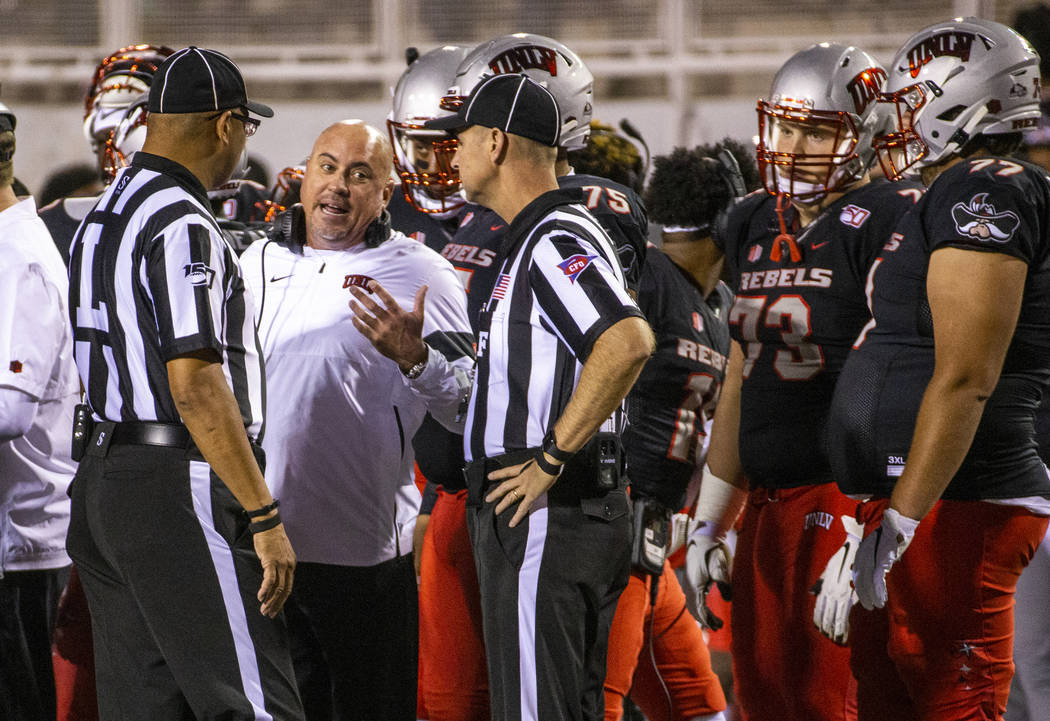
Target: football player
(798, 256)
(656, 651)
(933, 418)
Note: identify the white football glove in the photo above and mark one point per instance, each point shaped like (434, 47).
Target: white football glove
(834, 588)
(708, 560)
(877, 554)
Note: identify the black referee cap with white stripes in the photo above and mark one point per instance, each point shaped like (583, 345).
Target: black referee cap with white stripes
(196, 80)
(515, 104)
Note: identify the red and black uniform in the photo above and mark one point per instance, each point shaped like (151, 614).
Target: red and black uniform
(800, 305)
(951, 595)
(666, 409)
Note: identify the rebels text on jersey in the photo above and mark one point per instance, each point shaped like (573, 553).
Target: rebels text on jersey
(987, 205)
(680, 383)
(474, 248)
(796, 321)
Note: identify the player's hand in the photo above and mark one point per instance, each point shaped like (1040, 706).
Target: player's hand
(422, 521)
(834, 588)
(395, 332)
(708, 561)
(522, 484)
(879, 550)
(278, 564)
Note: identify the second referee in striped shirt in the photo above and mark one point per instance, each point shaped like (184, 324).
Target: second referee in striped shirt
(560, 344)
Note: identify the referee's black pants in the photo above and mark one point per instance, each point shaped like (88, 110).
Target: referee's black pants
(548, 595)
(171, 576)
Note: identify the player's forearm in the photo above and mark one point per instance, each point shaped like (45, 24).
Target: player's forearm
(723, 451)
(208, 408)
(608, 374)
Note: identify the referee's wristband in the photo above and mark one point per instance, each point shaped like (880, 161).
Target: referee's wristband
(550, 447)
(546, 466)
(266, 524)
(264, 510)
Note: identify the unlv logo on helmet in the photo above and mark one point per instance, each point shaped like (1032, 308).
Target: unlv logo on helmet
(953, 43)
(865, 87)
(525, 57)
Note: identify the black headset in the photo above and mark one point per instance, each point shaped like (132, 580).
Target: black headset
(289, 227)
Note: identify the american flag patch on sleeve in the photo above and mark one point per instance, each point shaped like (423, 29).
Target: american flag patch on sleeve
(502, 283)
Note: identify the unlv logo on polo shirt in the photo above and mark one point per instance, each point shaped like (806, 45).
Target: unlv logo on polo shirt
(360, 281)
(575, 265)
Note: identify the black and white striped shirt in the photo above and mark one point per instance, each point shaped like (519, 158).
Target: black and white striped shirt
(559, 288)
(152, 278)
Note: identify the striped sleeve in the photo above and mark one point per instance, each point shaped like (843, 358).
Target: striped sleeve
(578, 293)
(185, 271)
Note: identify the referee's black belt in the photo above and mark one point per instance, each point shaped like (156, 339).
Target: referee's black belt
(137, 433)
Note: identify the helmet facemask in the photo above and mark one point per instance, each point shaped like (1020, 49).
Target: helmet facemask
(423, 160)
(900, 150)
(829, 161)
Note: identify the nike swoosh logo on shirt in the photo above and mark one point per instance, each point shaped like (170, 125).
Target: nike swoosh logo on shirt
(275, 278)
(495, 227)
(819, 245)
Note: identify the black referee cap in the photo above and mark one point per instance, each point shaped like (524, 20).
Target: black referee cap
(195, 80)
(515, 104)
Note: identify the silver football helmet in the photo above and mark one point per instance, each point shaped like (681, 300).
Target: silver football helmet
(546, 61)
(429, 182)
(952, 81)
(120, 80)
(125, 139)
(816, 127)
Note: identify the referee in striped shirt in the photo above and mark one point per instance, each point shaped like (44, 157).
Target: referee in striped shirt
(178, 542)
(560, 343)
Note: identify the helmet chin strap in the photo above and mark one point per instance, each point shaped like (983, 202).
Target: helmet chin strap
(783, 202)
(961, 136)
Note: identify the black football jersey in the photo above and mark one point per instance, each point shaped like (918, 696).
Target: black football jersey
(62, 219)
(680, 384)
(429, 229)
(621, 214)
(796, 321)
(988, 205)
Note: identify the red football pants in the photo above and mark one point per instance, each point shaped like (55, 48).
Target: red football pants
(453, 675)
(682, 660)
(73, 656)
(942, 648)
(784, 669)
